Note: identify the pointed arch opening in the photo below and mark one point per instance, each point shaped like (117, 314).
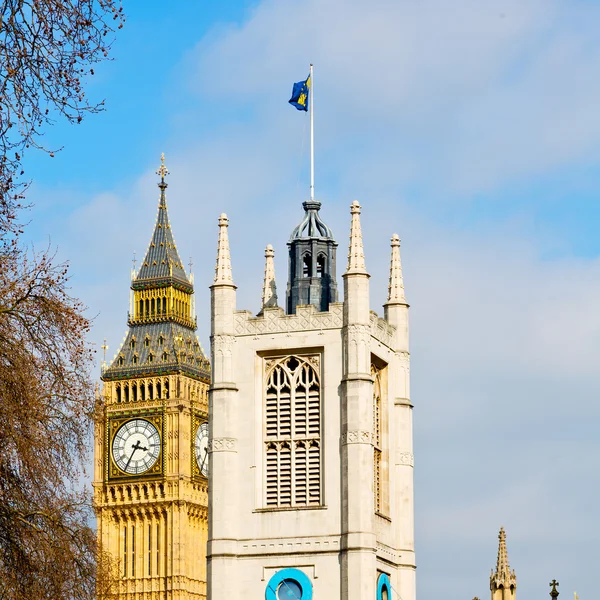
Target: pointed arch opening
(293, 432)
(307, 265)
(320, 266)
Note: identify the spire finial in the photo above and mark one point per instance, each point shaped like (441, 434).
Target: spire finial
(162, 170)
(356, 254)
(269, 295)
(554, 593)
(502, 562)
(223, 268)
(503, 576)
(396, 285)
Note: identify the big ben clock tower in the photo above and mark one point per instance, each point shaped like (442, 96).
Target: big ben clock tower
(151, 444)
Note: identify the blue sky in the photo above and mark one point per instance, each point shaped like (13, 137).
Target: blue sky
(473, 131)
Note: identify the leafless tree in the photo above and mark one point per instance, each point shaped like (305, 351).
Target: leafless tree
(47, 50)
(48, 547)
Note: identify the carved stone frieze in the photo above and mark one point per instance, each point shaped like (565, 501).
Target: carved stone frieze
(357, 436)
(405, 458)
(274, 320)
(381, 330)
(222, 445)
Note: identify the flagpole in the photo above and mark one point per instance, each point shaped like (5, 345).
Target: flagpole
(312, 136)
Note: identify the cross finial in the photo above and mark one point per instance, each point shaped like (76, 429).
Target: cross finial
(190, 264)
(162, 170)
(105, 348)
(554, 592)
(134, 261)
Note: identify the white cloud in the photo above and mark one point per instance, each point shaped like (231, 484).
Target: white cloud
(445, 100)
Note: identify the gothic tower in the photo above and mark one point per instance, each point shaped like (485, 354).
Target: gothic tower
(150, 488)
(310, 444)
(503, 581)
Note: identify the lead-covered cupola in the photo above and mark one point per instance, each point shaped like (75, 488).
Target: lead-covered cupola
(312, 262)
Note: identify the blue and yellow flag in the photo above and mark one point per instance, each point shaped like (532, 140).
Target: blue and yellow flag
(300, 93)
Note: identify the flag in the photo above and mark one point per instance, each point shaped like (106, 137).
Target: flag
(300, 93)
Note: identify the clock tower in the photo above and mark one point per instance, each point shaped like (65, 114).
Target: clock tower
(151, 462)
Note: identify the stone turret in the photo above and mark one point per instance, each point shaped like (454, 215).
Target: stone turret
(311, 262)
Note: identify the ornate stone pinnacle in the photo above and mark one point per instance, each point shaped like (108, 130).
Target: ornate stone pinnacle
(223, 268)
(269, 295)
(503, 576)
(162, 170)
(356, 254)
(396, 284)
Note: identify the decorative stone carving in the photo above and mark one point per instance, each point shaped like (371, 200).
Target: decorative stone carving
(381, 330)
(405, 458)
(274, 320)
(357, 436)
(222, 445)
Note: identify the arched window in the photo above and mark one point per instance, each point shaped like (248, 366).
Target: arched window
(380, 440)
(307, 266)
(164, 305)
(320, 265)
(134, 392)
(118, 393)
(142, 392)
(293, 432)
(152, 307)
(384, 587)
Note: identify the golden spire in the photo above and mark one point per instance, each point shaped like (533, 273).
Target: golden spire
(162, 170)
(503, 576)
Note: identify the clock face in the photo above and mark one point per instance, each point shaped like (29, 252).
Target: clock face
(136, 446)
(201, 448)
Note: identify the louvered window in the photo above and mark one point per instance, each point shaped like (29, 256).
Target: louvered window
(377, 446)
(293, 432)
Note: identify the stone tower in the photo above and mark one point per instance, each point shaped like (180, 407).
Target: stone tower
(150, 483)
(310, 451)
(503, 581)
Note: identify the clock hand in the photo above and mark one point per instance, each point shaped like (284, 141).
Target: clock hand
(135, 447)
(204, 459)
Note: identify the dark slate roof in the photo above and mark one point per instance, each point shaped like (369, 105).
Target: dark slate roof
(162, 261)
(183, 351)
(312, 226)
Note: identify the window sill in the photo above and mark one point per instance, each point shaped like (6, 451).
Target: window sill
(289, 508)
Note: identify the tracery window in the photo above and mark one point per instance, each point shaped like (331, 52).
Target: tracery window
(293, 431)
(380, 439)
(376, 437)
